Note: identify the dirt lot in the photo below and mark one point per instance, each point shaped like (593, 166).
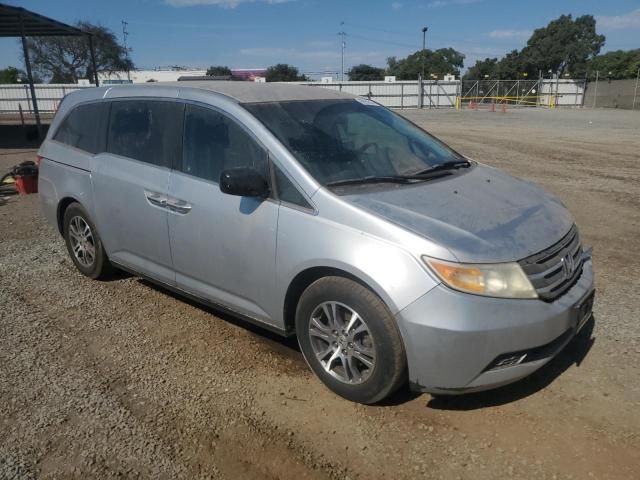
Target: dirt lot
(119, 378)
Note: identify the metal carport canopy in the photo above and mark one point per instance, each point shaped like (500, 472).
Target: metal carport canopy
(20, 22)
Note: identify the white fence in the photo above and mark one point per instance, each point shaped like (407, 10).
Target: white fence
(16, 98)
(402, 94)
(565, 92)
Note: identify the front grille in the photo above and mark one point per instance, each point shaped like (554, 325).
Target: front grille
(556, 269)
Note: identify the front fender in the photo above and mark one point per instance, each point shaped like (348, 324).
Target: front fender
(306, 241)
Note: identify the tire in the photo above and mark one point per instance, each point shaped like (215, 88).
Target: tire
(92, 262)
(365, 363)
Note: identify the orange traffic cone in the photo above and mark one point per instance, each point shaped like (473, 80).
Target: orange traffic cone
(493, 107)
(504, 108)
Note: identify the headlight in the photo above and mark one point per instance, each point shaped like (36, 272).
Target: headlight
(505, 280)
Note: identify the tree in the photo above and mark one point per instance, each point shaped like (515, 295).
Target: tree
(621, 64)
(11, 75)
(439, 62)
(283, 72)
(564, 45)
(66, 59)
(364, 72)
(482, 68)
(219, 71)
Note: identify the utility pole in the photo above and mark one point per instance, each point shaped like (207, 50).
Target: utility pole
(343, 45)
(424, 44)
(635, 92)
(125, 34)
(595, 92)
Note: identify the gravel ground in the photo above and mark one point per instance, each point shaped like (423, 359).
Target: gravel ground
(122, 379)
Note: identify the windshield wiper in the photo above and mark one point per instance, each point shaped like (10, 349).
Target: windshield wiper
(422, 175)
(450, 165)
(419, 177)
(372, 179)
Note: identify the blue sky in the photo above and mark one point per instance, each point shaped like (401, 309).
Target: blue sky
(259, 33)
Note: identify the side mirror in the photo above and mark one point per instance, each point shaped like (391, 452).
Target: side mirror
(243, 182)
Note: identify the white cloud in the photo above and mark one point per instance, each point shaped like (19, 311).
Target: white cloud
(219, 3)
(508, 34)
(396, 5)
(616, 22)
(446, 3)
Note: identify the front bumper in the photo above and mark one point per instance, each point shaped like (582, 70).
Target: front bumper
(453, 339)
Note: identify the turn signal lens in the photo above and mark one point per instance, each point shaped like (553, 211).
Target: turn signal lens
(504, 280)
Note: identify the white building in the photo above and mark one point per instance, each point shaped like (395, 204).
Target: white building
(168, 74)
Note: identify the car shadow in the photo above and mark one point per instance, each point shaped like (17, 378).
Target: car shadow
(572, 354)
(287, 346)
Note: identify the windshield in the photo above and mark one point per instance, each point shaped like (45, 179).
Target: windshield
(351, 139)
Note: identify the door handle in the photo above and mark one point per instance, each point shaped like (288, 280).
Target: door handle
(156, 199)
(178, 206)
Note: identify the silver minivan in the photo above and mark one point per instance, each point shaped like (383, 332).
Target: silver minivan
(391, 257)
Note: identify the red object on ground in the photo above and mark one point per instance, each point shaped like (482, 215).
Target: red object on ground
(26, 184)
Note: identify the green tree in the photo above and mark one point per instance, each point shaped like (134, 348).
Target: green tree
(66, 59)
(439, 62)
(564, 45)
(621, 64)
(219, 71)
(11, 75)
(487, 67)
(364, 72)
(283, 72)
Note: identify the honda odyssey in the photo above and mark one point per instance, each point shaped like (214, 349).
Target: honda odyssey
(314, 213)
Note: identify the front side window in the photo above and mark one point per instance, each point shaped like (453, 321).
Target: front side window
(80, 128)
(348, 139)
(213, 142)
(287, 191)
(145, 130)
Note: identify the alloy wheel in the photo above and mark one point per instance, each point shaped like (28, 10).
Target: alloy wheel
(342, 342)
(82, 241)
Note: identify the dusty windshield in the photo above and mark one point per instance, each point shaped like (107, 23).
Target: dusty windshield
(348, 139)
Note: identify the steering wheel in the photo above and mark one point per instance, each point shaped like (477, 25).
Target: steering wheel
(366, 146)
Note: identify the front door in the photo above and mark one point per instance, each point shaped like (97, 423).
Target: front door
(130, 183)
(223, 246)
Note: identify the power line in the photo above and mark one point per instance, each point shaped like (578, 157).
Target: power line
(377, 29)
(388, 42)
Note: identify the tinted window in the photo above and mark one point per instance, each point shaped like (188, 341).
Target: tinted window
(351, 139)
(213, 142)
(287, 191)
(144, 130)
(80, 127)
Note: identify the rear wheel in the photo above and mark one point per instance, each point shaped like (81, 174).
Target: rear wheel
(84, 244)
(350, 340)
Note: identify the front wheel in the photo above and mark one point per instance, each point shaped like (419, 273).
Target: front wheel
(350, 340)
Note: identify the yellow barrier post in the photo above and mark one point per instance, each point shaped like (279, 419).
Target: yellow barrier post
(457, 103)
(552, 101)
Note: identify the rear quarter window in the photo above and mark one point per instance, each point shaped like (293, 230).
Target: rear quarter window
(81, 127)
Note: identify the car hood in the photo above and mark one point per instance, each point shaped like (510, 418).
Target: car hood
(480, 215)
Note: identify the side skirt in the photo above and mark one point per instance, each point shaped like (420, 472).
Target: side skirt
(208, 303)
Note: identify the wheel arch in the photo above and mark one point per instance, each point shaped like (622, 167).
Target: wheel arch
(63, 204)
(309, 275)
